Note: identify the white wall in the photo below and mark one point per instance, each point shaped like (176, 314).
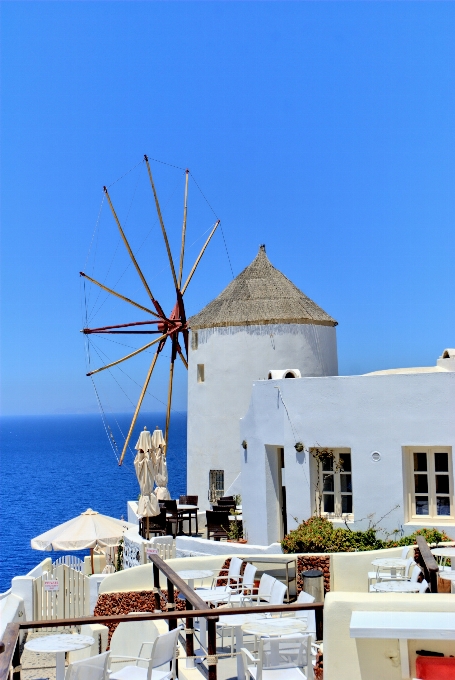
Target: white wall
(233, 358)
(346, 658)
(364, 413)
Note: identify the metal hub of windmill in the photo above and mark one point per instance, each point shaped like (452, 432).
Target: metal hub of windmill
(168, 328)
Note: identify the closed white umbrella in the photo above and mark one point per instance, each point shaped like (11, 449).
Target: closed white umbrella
(88, 530)
(161, 475)
(144, 466)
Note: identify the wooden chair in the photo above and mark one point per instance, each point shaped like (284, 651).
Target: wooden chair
(188, 515)
(188, 500)
(173, 517)
(217, 524)
(153, 525)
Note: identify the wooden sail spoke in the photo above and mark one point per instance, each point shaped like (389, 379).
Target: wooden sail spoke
(190, 276)
(180, 353)
(128, 247)
(185, 210)
(122, 297)
(158, 209)
(139, 404)
(128, 356)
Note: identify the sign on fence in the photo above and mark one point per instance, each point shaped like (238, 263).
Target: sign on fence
(51, 586)
(151, 551)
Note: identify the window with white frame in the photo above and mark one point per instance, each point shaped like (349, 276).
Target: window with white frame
(333, 481)
(430, 482)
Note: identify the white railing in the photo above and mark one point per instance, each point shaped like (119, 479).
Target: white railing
(70, 561)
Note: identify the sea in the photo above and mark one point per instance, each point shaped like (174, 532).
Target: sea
(55, 467)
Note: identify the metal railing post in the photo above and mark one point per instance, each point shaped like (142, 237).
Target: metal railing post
(189, 638)
(211, 647)
(156, 587)
(171, 603)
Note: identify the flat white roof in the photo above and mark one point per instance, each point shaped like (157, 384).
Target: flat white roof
(403, 625)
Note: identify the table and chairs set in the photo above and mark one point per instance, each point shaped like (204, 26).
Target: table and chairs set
(285, 642)
(396, 575)
(171, 519)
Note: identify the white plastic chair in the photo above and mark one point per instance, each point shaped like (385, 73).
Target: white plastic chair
(126, 641)
(277, 659)
(163, 651)
(423, 586)
(93, 668)
(246, 585)
(233, 577)
(416, 571)
(264, 591)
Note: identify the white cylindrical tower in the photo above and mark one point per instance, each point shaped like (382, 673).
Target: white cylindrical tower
(260, 322)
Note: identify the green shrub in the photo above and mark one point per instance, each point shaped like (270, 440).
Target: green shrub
(318, 535)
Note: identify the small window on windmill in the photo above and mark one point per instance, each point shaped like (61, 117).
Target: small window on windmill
(200, 373)
(216, 485)
(194, 340)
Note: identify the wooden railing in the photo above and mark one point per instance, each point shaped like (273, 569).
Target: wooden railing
(429, 564)
(10, 658)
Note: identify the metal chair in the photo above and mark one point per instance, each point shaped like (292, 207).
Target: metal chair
(278, 658)
(163, 651)
(93, 668)
(217, 524)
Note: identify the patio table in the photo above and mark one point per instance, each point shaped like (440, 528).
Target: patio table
(397, 586)
(275, 627)
(445, 552)
(392, 563)
(188, 512)
(191, 575)
(58, 645)
(236, 622)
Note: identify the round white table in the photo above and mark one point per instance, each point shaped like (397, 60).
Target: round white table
(192, 575)
(275, 627)
(397, 586)
(392, 563)
(236, 622)
(445, 552)
(58, 645)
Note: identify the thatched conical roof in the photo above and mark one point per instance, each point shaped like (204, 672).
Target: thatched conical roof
(260, 295)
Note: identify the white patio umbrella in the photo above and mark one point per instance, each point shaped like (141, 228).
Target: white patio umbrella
(144, 466)
(161, 475)
(86, 531)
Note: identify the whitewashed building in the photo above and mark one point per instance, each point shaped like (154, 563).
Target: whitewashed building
(353, 448)
(260, 321)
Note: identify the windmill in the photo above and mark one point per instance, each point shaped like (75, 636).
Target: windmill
(166, 327)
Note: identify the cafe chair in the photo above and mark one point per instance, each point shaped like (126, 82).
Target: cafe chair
(92, 668)
(278, 659)
(163, 651)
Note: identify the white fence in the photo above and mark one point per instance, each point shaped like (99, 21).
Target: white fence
(70, 561)
(61, 593)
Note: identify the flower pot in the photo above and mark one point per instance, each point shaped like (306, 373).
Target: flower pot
(239, 540)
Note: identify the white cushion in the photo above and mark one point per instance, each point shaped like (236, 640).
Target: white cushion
(138, 673)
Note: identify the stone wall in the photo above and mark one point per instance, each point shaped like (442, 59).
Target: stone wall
(321, 562)
(124, 603)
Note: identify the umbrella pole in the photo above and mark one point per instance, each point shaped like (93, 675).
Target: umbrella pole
(92, 561)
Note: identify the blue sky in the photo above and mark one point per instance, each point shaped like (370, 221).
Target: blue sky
(324, 130)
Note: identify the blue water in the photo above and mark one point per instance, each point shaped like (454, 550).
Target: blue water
(55, 467)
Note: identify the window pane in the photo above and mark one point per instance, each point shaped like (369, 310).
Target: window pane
(443, 505)
(422, 505)
(327, 464)
(345, 462)
(420, 461)
(442, 483)
(421, 483)
(345, 482)
(329, 504)
(328, 483)
(346, 504)
(441, 462)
